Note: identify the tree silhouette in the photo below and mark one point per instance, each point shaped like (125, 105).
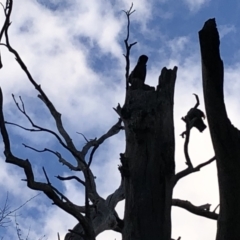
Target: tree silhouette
(147, 167)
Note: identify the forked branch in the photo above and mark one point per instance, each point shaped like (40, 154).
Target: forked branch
(188, 170)
(56, 115)
(48, 189)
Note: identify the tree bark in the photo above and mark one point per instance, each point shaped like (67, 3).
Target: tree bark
(225, 137)
(148, 163)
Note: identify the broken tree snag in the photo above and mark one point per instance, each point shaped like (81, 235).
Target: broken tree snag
(167, 80)
(225, 137)
(150, 145)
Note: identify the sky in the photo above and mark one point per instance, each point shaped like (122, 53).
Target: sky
(74, 49)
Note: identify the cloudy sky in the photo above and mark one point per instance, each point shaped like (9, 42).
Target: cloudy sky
(74, 49)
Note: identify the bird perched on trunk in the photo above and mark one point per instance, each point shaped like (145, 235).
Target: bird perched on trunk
(138, 75)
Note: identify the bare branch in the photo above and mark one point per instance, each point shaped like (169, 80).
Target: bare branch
(83, 136)
(187, 157)
(215, 209)
(51, 192)
(2, 7)
(24, 128)
(127, 46)
(113, 199)
(46, 176)
(198, 210)
(188, 170)
(22, 110)
(112, 131)
(22, 205)
(5, 213)
(70, 178)
(57, 154)
(74, 152)
(55, 114)
(18, 230)
(90, 143)
(95, 143)
(40, 151)
(3, 127)
(66, 163)
(7, 11)
(91, 155)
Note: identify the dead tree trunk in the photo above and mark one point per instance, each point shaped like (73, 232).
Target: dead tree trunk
(225, 137)
(148, 163)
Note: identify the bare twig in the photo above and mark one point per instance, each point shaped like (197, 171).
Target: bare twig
(7, 11)
(51, 192)
(187, 157)
(38, 128)
(95, 143)
(112, 131)
(16, 209)
(24, 128)
(18, 229)
(91, 154)
(27, 237)
(40, 151)
(46, 176)
(127, 45)
(70, 178)
(90, 143)
(83, 136)
(188, 170)
(55, 114)
(215, 209)
(57, 154)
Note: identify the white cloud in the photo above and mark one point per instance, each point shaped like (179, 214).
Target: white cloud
(60, 49)
(177, 45)
(195, 5)
(225, 30)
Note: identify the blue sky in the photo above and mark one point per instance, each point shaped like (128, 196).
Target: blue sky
(74, 50)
